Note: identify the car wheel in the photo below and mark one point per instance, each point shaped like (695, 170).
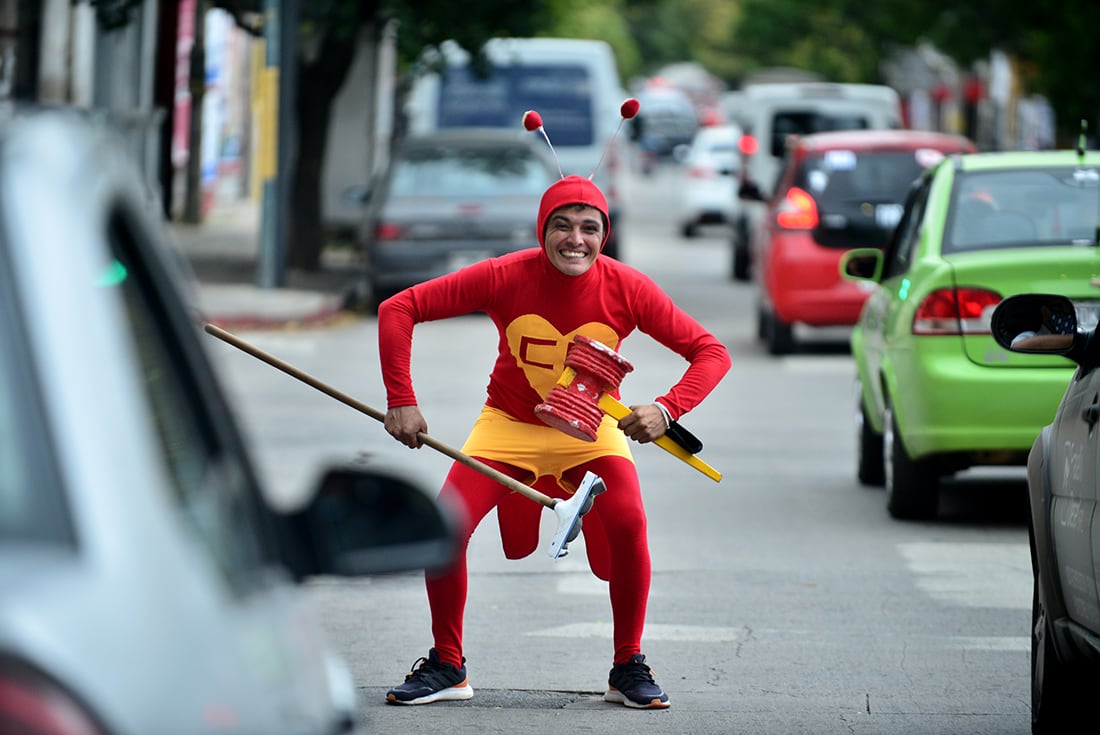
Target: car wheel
(762, 327)
(740, 246)
(1059, 695)
(912, 486)
(869, 460)
(780, 335)
(689, 229)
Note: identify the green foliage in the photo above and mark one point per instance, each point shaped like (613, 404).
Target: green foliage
(425, 23)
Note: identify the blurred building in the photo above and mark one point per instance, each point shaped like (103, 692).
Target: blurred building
(985, 102)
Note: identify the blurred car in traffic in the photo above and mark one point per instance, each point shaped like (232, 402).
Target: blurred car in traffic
(147, 585)
(665, 124)
(449, 199)
(1063, 490)
(836, 191)
(769, 114)
(708, 190)
(935, 393)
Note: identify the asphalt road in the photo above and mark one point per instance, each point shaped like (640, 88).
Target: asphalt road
(784, 600)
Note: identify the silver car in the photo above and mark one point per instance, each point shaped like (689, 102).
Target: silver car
(146, 586)
(452, 198)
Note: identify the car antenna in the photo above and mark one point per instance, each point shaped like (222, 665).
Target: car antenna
(532, 121)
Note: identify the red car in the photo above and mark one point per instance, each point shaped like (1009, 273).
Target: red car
(836, 191)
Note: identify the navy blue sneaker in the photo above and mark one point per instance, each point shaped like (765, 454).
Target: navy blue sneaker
(632, 684)
(431, 680)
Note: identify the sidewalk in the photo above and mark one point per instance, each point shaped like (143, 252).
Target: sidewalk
(224, 254)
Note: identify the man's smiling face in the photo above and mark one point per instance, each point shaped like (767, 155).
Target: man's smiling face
(574, 234)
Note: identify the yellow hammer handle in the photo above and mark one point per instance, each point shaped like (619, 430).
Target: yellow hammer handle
(617, 409)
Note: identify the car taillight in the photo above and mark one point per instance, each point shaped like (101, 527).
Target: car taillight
(747, 145)
(700, 172)
(956, 311)
(797, 211)
(388, 231)
(32, 704)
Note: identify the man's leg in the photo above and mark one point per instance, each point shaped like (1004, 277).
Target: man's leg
(472, 495)
(617, 527)
(619, 548)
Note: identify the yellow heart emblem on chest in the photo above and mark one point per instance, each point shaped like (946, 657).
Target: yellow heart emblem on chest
(539, 348)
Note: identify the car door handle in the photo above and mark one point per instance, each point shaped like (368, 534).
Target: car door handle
(1091, 414)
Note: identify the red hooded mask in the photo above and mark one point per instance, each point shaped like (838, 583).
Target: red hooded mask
(572, 189)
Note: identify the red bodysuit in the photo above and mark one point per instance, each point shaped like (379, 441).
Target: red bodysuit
(537, 310)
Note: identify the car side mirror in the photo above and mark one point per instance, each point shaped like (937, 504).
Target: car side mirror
(862, 264)
(363, 521)
(1044, 324)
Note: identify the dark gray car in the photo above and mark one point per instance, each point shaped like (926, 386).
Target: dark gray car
(452, 198)
(1063, 490)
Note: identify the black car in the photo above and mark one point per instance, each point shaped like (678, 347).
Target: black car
(1064, 528)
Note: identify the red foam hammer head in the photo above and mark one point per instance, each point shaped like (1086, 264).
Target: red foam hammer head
(532, 120)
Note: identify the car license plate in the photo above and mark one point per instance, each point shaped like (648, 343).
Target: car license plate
(888, 215)
(464, 258)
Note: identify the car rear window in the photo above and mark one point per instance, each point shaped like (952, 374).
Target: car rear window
(562, 93)
(1009, 208)
(445, 171)
(804, 122)
(860, 194)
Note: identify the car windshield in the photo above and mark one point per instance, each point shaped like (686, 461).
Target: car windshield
(561, 93)
(445, 171)
(1024, 207)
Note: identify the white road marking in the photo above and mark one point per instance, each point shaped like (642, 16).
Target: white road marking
(818, 364)
(653, 632)
(713, 634)
(973, 574)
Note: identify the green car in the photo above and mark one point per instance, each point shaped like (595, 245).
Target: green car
(935, 392)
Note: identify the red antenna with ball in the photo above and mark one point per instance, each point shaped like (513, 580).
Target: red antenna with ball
(532, 121)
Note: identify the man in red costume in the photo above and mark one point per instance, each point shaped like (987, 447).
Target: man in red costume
(539, 299)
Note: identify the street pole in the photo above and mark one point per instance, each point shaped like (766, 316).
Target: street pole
(272, 270)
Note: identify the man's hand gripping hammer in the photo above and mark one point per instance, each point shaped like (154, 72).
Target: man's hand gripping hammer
(580, 398)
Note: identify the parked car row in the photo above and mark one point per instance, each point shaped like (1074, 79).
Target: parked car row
(970, 281)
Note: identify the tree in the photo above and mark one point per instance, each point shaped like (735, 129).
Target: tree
(329, 35)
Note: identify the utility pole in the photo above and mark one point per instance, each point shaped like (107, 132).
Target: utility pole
(277, 155)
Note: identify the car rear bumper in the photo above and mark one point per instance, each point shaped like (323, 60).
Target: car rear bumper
(804, 285)
(401, 264)
(944, 403)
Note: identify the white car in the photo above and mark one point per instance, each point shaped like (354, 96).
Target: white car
(146, 586)
(710, 173)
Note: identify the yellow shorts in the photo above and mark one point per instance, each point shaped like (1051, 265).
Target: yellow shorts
(541, 449)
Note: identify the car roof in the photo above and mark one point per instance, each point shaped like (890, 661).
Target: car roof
(474, 136)
(721, 132)
(869, 140)
(993, 160)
